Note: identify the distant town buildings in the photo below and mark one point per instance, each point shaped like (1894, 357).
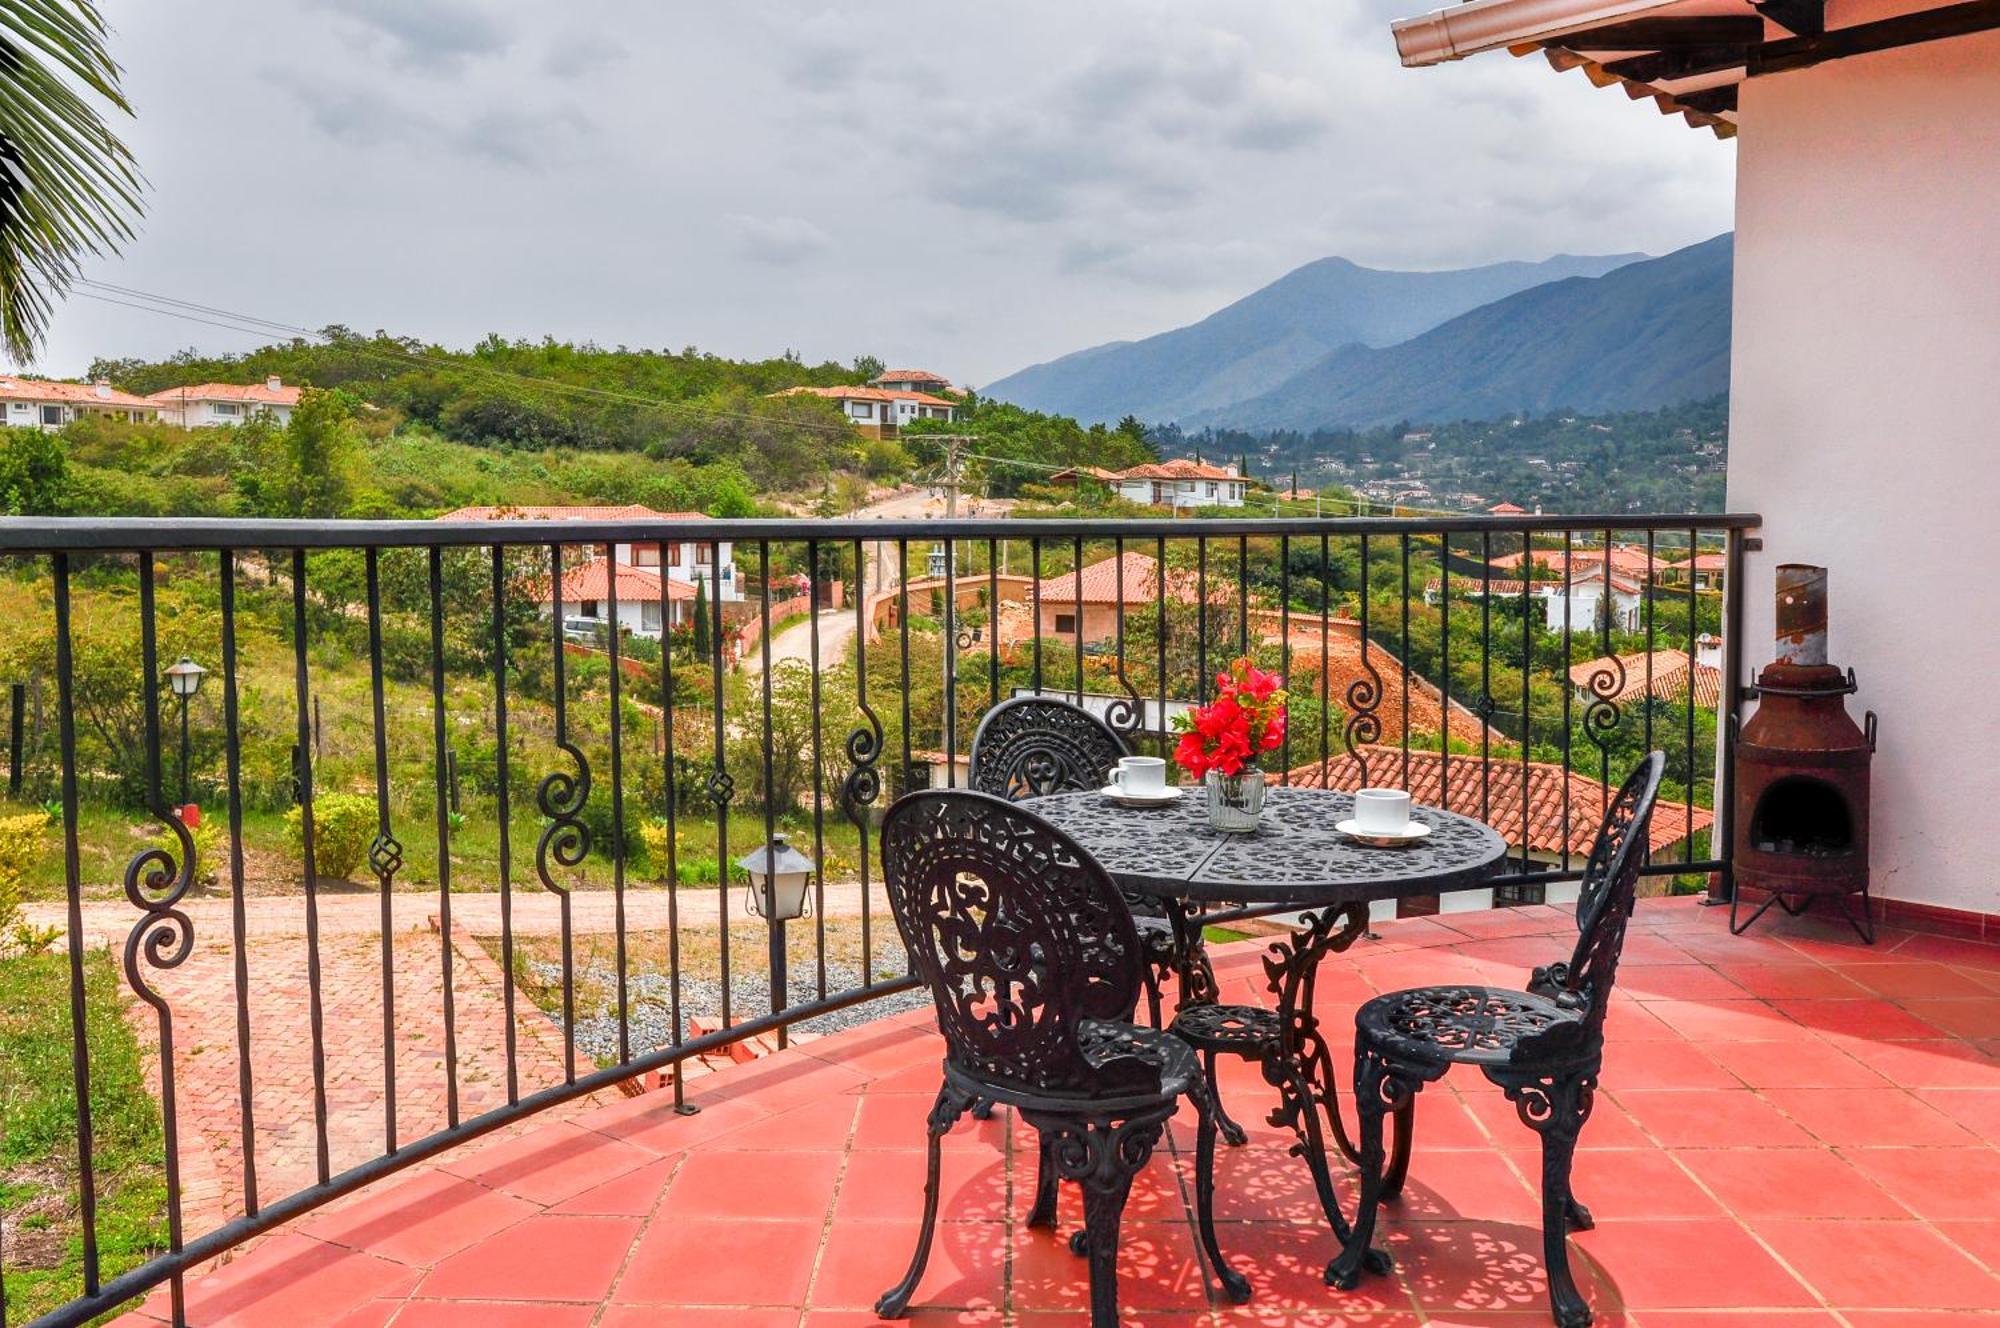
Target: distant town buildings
(879, 412)
(1175, 484)
(201, 405)
(34, 403)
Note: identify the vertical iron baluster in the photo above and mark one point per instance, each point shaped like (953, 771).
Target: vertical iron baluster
(863, 783)
(777, 978)
(302, 697)
(233, 759)
(1076, 580)
(673, 835)
(1687, 803)
(949, 649)
(1242, 595)
(1364, 694)
(1527, 669)
(1201, 618)
(1325, 654)
(617, 757)
(1444, 665)
(1486, 706)
(503, 799)
(385, 855)
(86, 1166)
(1160, 607)
(155, 884)
(1406, 658)
(1285, 651)
(818, 769)
(1035, 589)
(903, 625)
(1568, 688)
(440, 755)
(1125, 714)
(1602, 715)
(992, 625)
(721, 788)
(1646, 606)
(560, 796)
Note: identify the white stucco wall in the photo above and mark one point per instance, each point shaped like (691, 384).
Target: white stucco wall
(1865, 407)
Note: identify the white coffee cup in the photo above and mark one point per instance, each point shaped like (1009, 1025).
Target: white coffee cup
(1380, 811)
(1140, 774)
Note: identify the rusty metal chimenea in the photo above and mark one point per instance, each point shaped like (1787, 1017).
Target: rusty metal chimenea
(1801, 772)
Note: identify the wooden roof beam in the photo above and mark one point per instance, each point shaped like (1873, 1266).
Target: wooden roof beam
(1710, 101)
(1666, 34)
(1668, 66)
(1801, 18)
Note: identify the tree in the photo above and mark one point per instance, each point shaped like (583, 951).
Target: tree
(868, 367)
(34, 473)
(69, 187)
(701, 632)
(306, 468)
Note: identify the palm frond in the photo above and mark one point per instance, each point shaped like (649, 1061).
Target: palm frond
(68, 186)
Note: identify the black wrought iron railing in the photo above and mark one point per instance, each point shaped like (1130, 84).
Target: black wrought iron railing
(545, 813)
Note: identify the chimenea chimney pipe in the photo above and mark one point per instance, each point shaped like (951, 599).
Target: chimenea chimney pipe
(1801, 614)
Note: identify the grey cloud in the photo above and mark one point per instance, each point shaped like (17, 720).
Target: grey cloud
(779, 241)
(352, 115)
(438, 34)
(575, 55)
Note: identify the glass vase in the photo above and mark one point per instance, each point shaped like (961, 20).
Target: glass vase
(1235, 801)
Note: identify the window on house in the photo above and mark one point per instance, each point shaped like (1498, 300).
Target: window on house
(1211, 491)
(1066, 622)
(588, 609)
(52, 414)
(649, 615)
(645, 555)
(225, 408)
(1514, 896)
(704, 555)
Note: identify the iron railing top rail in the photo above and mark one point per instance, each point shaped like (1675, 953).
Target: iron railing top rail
(168, 534)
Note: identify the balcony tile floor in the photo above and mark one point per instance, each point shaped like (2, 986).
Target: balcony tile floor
(1795, 1130)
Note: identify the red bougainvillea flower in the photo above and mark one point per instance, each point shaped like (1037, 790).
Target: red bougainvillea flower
(1246, 718)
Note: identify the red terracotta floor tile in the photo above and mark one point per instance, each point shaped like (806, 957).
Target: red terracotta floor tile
(1628, 1182)
(634, 1194)
(1681, 982)
(493, 1314)
(420, 1220)
(1980, 1239)
(1732, 1318)
(1457, 1267)
(1794, 980)
(918, 1317)
(550, 1164)
(967, 1266)
(1664, 1065)
(1798, 1063)
(1876, 1020)
(1960, 1016)
(1286, 1265)
(709, 1316)
(1935, 1183)
(1913, 981)
(544, 1258)
(1789, 1182)
(1259, 1183)
(888, 1185)
(292, 1279)
(1866, 1117)
(1948, 1063)
(1159, 1268)
(1917, 1319)
(1978, 1109)
(720, 1261)
(823, 1125)
(898, 1120)
(1701, 1264)
(1724, 1118)
(1463, 1183)
(743, 1184)
(1881, 1265)
(1709, 1023)
(1951, 950)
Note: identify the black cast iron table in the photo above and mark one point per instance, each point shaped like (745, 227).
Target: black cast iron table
(1295, 857)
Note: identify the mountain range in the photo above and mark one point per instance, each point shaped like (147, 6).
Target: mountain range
(1334, 344)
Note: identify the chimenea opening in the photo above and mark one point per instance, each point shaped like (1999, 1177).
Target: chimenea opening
(1803, 816)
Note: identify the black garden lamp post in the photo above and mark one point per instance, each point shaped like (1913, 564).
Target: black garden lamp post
(779, 875)
(185, 679)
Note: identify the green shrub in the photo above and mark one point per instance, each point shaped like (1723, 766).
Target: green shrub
(211, 849)
(343, 828)
(22, 840)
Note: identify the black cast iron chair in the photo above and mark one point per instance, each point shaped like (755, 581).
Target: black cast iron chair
(1543, 1047)
(1032, 746)
(1034, 965)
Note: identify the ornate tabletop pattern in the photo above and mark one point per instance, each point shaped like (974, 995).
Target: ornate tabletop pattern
(1294, 856)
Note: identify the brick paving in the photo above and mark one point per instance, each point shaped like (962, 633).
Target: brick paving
(1794, 1131)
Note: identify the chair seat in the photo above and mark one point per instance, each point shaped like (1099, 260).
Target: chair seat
(1240, 1030)
(1468, 1026)
(1103, 1041)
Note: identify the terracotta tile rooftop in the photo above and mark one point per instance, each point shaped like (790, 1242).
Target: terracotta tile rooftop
(1668, 676)
(1794, 1130)
(635, 584)
(76, 394)
(265, 394)
(1494, 795)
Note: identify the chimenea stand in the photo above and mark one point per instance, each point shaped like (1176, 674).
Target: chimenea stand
(1800, 810)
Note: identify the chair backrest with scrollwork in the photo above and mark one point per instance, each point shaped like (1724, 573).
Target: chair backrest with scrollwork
(1018, 933)
(1608, 894)
(1033, 745)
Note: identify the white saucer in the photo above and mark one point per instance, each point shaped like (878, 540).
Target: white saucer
(1409, 834)
(1166, 797)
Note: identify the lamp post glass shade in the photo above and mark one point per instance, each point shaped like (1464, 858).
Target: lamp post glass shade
(779, 875)
(185, 677)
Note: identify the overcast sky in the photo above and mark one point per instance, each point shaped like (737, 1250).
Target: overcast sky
(968, 188)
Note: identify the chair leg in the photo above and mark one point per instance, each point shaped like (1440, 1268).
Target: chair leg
(1104, 1198)
(1103, 1155)
(1232, 1133)
(1555, 1107)
(1234, 1284)
(1378, 1091)
(1152, 984)
(1399, 1151)
(1043, 1214)
(944, 1113)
